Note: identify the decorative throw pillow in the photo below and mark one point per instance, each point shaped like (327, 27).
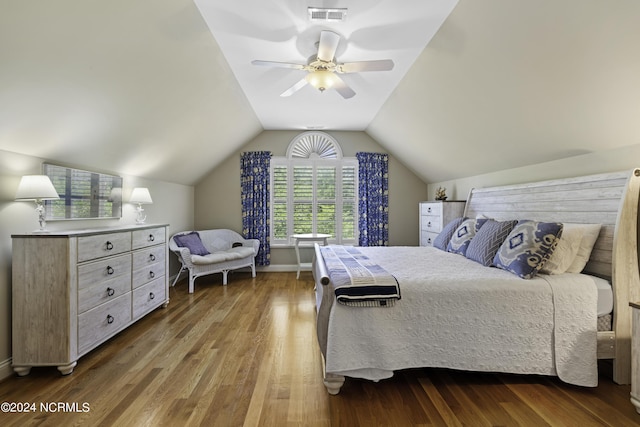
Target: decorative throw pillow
(591, 233)
(462, 236)
(480, 221)
(484, 246)
(565, 251)
(192, 242)
(528, 247)
(442, 240)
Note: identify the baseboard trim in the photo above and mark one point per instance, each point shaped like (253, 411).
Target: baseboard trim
(5, 369)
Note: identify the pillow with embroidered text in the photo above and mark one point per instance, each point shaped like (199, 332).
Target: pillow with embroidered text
(527, 248)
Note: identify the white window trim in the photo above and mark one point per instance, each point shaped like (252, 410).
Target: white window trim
(306, 144)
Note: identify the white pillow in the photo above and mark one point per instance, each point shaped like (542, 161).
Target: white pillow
(591, 233)
(566, 250)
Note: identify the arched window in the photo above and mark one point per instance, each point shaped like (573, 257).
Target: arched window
(314, 189)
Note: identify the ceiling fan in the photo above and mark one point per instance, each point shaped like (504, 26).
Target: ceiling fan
(323, 69)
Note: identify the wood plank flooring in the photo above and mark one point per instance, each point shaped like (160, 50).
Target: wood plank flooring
(246, 354)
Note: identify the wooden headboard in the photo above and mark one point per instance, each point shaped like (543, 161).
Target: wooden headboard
(607, 199)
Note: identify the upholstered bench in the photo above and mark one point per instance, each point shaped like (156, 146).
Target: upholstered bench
(206, 252)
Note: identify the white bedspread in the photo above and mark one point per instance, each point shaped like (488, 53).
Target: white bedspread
(456, 313)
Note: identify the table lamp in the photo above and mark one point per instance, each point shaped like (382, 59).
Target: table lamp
(141, 196)
(37, 188)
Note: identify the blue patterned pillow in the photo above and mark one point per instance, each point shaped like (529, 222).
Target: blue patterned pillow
(192, 241)
(462, 236)
(442, 240)
(528, 247)
(484, 246)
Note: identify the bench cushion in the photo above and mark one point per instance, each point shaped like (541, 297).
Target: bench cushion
(223, 256)
(242, 251)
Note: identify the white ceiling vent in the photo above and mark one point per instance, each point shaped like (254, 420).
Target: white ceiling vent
(327, 14)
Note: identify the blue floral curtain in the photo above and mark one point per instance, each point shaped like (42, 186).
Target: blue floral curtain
(254, 182)
(373, 194)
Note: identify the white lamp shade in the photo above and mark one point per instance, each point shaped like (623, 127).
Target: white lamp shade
(36, 187)
(141, 195)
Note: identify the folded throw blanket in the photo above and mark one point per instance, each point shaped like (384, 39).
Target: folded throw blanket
(357, 280)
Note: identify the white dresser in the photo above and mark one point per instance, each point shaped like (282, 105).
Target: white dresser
(434, 216)
(71, 291)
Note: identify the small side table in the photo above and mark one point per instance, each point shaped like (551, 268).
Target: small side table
(308, 237)
(635, 354)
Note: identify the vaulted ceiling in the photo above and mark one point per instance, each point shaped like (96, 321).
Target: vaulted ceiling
(155, 88)
(283, 31)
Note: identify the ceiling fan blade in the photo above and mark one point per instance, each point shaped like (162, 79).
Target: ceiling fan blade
(293, 89)
(328, 45)
(341, 87)
(356, 67)
(278, 64)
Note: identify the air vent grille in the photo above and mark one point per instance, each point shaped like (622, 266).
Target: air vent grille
(325, 14)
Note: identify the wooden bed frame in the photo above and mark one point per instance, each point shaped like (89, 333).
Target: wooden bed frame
(609, 199)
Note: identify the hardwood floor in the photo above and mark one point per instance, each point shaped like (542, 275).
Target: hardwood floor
(246, 354)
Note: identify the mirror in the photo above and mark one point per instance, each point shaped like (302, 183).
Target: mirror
(83, 194)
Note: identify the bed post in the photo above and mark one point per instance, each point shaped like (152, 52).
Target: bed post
(626, 276)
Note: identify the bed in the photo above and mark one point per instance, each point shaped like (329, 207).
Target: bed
(456, 313)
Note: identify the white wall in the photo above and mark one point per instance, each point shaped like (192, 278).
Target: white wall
(613, 160)
(217, 196)
(172, 204)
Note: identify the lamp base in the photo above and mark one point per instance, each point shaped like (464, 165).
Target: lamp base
(41, 217)
(141, 216)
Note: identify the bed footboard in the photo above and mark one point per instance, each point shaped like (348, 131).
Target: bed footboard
(324, 302)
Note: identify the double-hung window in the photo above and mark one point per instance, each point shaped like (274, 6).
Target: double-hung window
(314, 190)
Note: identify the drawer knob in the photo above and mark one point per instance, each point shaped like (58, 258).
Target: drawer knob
(429, 224)
(110, 292)
(110, 319)
(110, 270)
(152, 274)
(429, 240)
(109, 245)
(152, 257)
(151, 295)
(152, 237)
(429, 209)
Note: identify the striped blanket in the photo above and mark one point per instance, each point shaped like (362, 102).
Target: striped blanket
(357, 280)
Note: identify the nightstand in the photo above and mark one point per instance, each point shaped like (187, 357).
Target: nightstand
(635, 355)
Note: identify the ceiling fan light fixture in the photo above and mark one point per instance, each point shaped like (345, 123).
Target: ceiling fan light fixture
(321, 80)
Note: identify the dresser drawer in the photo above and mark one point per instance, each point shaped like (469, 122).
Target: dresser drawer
(431, 209)
(146, 257)
(431, 223)
(148, 297)
(101, 245)
(93, 273)
(103, 321)
(427, 238)
(99, 293)
(148, 237)
(145, 275)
